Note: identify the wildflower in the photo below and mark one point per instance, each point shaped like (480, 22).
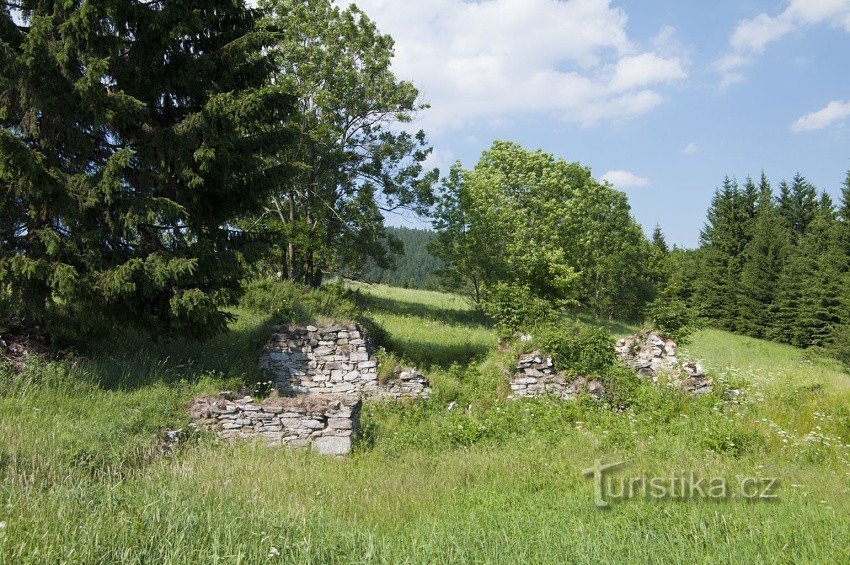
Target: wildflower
(274, 552)
(2, 525)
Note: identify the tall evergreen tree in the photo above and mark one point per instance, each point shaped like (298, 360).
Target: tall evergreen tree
(132, 134)
(659, 241)
(723, 240)
(764, 258)
(798, 204)
(809, 297)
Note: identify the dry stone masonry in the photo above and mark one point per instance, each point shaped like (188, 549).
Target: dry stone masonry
(647, 353)
(335, 359)
(535, 376)
(326, 423)
(652, 356)
(321, 373)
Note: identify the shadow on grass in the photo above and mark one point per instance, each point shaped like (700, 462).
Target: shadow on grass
(129, 359)
(450, 316)
(429, 355)
(617, 328)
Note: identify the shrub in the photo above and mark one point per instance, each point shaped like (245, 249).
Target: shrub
(672, 318)
(514, 307)
(290, 302)
(578, 348)
(621, 385)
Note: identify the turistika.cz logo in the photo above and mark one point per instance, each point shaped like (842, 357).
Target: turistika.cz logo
(680, 486)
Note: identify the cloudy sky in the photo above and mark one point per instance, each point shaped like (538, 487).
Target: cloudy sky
(661, 98)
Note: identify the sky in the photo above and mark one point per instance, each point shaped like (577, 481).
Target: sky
(660, 98)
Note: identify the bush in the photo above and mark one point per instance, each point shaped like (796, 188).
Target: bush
(514, 307)
(293, 303)
(672, 318)
(577, 348)
(621, 385)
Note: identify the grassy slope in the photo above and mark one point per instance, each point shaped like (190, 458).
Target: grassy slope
(500, 482)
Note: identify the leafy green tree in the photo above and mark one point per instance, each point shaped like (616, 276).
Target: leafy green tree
(133, 134)
(355, 161)
(525, 218)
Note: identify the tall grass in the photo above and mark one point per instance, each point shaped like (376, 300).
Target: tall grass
(490, 481)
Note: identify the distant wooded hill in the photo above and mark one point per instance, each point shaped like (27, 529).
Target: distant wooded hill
(416, 268)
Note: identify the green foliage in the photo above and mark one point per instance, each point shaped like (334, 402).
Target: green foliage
(839, 346)
(526, 218)
(577, 348)
(672, 318)
(621, 385)
(292, 303)
(416, 267)
(354, 158)
(122, 165)
(770, 268)
(514, 307)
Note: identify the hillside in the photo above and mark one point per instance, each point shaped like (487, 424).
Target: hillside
(494, 480)
(415, 268)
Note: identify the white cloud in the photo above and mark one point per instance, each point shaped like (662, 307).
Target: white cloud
(751, 37)
(624, 179)
(690, 148)
(500, 59)
(833, 113)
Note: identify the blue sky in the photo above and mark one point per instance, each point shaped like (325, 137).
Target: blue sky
(661, 98)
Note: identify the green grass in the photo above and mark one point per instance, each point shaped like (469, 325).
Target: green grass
(493, 481)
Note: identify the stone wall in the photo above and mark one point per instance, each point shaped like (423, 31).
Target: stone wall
(335, 359)
(536, 376)
(647, 353)
(326, 423)
(653, 356)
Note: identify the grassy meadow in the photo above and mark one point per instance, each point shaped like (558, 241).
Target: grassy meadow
(493, 481)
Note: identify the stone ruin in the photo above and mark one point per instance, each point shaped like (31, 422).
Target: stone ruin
(652, 356)
(335, 359)
(647, 353)
(321, 374)
(535, 376)
(326, 423)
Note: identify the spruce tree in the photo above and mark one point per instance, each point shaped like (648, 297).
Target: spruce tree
(797, 204)
(808, 306)
(659, 241)
(722, 241)
(133, 135)
(764, 258)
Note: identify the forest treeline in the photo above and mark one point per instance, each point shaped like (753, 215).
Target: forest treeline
(154, 159)
(414, 267)
(771, 264)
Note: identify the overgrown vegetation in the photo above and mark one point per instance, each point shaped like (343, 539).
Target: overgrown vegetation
(492, 480)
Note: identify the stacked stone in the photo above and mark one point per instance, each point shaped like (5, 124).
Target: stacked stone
(649, 354)
(535, 376)
(326, 423)
(408, 383)
(696, 381)
(335, 359)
